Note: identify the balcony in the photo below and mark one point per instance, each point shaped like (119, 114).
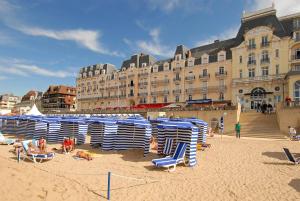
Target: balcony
(131, 75)
(220, 88)
(204, 76)
(193, 90)
(190, 78)
(143, 84)
(123, 77)
(265, 44)
(130, 95)
(164, 92)
(251, 47)
(122, 96)
(130, 85)
(221, 74)
(164, 81)
(122, 86)
(279, 77)
(143, 94)
(176, 91)
(143, 74)
(251, 63)
(265, 61)
(178, 79)
(295, 58)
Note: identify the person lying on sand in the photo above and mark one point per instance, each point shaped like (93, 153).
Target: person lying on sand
(82, 154)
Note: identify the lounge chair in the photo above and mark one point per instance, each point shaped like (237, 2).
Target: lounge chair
(177, 158)
(6, 141)
(291, 157)
(35, 157)
(168, 146)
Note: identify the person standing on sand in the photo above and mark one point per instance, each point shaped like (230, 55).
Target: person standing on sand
(238, 130)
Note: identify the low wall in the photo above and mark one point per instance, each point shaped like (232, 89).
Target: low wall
(229, 120)
(288, 116)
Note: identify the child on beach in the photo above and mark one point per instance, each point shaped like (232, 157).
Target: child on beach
(238, 130)
(42, 145)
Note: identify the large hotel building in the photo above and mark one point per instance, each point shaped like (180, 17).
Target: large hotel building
(260, 64)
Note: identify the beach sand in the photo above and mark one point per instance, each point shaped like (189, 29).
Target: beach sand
(232, 169)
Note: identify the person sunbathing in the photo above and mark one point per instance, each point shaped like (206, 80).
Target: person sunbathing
(82, 154)
(32, 149)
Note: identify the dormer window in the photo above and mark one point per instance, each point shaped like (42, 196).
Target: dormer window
(90, 73)
(144, 64)
(166, 66)
(178, 57)
(132, 65)
(204, 59)
(155, 69)
(296, 23)
(297, 36)
(97, 72)
(103, 71)
(191, 62)
(221, 55)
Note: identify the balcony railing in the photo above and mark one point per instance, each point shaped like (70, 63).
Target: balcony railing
(122, 86)
(176, 91)
(204, 76)
(177, 68)
(265, 44)
(190, 78)
(130, 85)
(265, 61)
(193, 90)
(165, 92)
(177, 79)
(295, 57)
(142, 83)
(122, 78)
(259, 78)
(251, 63)
(130, 75)
(251, 47)
(143, 94)
(164, 81)
(143, 74)
(221, 74)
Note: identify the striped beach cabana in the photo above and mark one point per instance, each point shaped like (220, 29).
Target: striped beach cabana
(53, 129)
(73, 127)
(133, 133)
(154, 123)
(185, 132)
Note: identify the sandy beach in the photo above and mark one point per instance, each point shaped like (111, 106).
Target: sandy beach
(245, 169)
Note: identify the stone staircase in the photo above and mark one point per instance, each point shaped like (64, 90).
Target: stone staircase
(258, 125)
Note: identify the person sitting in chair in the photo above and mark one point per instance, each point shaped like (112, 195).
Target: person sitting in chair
(68, 145)
(42, 145)
(32, 149)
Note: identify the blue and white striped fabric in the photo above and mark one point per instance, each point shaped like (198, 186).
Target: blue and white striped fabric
(181, 132)
(40, 130)
(81, 133)
(168, 146)
(53, 130)
(21, 130)
(30, 129)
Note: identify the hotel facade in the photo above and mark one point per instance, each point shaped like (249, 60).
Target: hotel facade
(260, 65)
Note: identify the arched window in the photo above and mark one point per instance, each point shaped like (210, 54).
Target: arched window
(297, 91)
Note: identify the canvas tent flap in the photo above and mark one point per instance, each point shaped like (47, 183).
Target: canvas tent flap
(34, 111)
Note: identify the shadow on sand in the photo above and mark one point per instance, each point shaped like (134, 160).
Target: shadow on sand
(295, 183)
(276, 155)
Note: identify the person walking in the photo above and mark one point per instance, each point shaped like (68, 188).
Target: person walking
(238, 130)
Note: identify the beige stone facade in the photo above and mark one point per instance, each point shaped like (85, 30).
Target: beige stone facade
(260, 65)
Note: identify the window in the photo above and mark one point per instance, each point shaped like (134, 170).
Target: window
(241, 73)
(297, 54)
(131, 83)
(165, 99)
(277, 53)
(177, 76)
(204, 72)
(265, 71)
(204, 96)
(221, 71)
(204, 59)
(251, 58)
(204, 84)
(176, 99)
(251, 73)
(252, 43)
(241, 59)
(132, 65)
(264, 41)
(296, 23)
(221, 57)
(277, 98)
(277, 69)
(265, 55)
(144, 64)
(154, 99)
(190, 97)
(297, 91)
(297, 36)
(221, 96)
(131, 92)
(190, 63)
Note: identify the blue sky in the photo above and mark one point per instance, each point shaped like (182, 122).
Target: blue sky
(45, 42)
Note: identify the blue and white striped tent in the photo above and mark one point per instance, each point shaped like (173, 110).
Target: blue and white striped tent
(180, 132)
(73, 127)
(53, 129)
(10, 125)
(103, 132)
(154, 123)
(133, 133)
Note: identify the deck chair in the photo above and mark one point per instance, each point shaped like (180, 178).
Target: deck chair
(291, 157)
(6, 141)
(177, 158)
(35, 157)
(168, 146)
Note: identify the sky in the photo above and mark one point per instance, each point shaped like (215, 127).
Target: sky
(46, 42)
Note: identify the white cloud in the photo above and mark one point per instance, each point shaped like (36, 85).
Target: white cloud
(17, 67)
(283, 7)
(227, 34)
(168, 6)
(154, 46)
(89, 39)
